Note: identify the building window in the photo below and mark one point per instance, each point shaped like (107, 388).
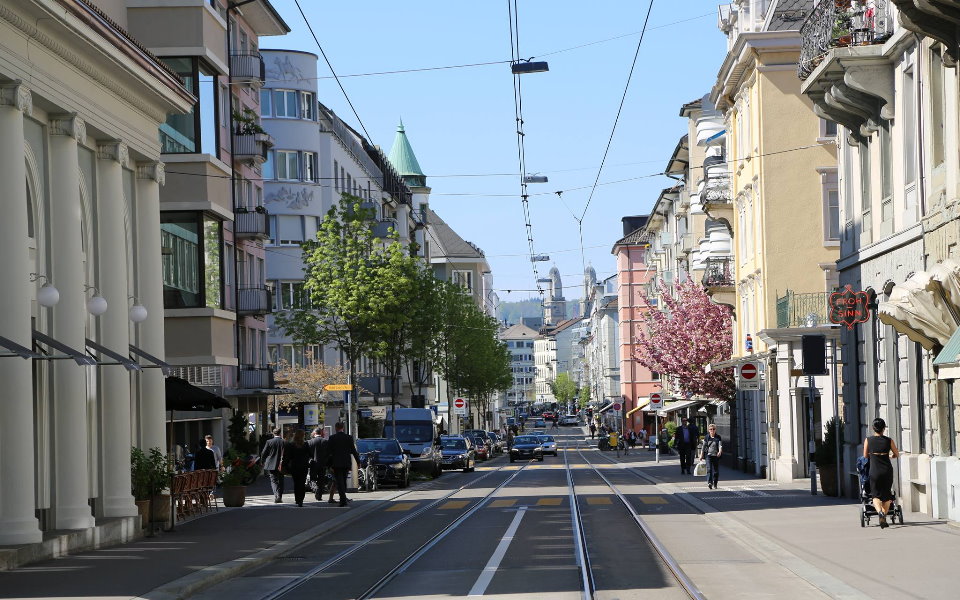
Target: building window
(290, 229)
(308, 106)
(266, 109)
(195, 131)
(336, 176)
(886, 180)
(286, 164)
(192, 260)
(464, 279)
(309, 166)
(291, 294)
(831, 207)
(272, 226)
(937, 113)
(828, 129)
(285, 104)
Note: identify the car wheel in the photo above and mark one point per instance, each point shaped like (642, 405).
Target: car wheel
(541, 458)
(466, 469)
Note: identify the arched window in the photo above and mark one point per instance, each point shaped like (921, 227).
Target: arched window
(30, 216)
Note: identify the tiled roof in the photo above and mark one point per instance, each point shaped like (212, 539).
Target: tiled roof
(637, 236)
(789, 15)
(451, 244)
(518, 331)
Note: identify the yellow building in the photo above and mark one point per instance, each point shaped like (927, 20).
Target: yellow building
(782, 209)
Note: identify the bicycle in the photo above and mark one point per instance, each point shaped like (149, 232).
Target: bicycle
(367, 473)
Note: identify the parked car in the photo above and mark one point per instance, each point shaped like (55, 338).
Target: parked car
(479, 446)
(458, 453)
(540, 424)
(570, 420)
(548, 444)
(498, 442)
(482, 436)
(391, 464)
(526, 446)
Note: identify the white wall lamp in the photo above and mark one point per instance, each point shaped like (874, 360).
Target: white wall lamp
(97, 305)
(138, 312)
(47, 295)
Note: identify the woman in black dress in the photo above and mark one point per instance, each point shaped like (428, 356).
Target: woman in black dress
(878, 449)
(296, 455)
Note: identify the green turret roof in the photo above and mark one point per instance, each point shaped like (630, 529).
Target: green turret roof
(405, 161)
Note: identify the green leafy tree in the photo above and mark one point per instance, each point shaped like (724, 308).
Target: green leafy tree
(563, 389)
(584, 400)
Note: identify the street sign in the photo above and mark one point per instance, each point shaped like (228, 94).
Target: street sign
(749, 376)
(656, 401)
(617, 407)
(460, 406)
(337, 387)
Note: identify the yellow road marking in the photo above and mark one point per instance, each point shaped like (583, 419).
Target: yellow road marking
(454, 504)
(549, 501)
(598, 500)
(402, 506)
(653, 499)
(503, 503)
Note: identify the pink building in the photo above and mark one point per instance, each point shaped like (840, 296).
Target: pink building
(634, 277)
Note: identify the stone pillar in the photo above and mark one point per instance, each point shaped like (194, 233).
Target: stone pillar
(150, 176)
(116, 499)
(71, 489)
(18, 525)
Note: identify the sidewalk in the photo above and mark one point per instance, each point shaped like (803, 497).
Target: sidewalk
(207, 549)
(816, 538)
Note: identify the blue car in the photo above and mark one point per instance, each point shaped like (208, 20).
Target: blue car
(526, 446)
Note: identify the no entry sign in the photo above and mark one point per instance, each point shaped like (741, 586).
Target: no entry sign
(460, 406)
(749, 376)
(617, 407)
(656, 401)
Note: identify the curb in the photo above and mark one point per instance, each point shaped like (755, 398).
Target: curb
(188, 585)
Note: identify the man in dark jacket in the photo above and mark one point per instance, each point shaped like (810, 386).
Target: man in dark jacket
(318, 461)
(685, 440)
(271, 458)
(341, 448)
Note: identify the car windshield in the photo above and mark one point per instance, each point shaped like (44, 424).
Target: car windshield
(412, 432)
(526, 439)
(383, 446)
(546, 438)
(494, 436)
(454, 444)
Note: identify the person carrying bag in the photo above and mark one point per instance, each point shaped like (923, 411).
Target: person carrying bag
(710, 453)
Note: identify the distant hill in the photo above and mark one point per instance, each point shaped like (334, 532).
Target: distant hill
(511, 312)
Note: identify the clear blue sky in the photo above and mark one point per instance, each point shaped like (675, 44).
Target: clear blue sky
(461, 121)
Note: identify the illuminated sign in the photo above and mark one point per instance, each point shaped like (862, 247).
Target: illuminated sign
(848, 307)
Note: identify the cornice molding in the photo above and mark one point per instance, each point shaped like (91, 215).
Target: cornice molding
(72, 58)
(17, 95)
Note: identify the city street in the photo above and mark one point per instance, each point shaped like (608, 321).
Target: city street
(550, 529)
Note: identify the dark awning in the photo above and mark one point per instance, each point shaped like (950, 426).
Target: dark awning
(181, 395)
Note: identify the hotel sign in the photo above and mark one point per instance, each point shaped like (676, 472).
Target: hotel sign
(848, 307)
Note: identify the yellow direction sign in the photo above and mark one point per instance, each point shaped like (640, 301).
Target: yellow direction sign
(338, 387)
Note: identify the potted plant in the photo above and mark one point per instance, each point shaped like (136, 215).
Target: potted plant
(239, 472)
(825, 456)
(150, 474)
(841, 29)
(245, 123)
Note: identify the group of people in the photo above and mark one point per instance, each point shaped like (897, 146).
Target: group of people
(301, 459)
(686, 439)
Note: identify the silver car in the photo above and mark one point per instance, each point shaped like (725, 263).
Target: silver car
(548, 444)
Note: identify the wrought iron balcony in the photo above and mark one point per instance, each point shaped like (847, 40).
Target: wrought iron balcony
(839, 23)
(251, 223)
(382, 227)
(257, 378)
(793, 309)
(254, 300)
(247, 66)
(718, 272)
(251, 146)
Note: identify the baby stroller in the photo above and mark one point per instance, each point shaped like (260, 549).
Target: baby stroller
(867, 510)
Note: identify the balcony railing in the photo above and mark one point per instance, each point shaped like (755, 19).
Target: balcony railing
(793, 309)
(718, 272)
(254, 300)
(251, 146)
(251, 224)
(716, 189)
(259, 378)
(247, 66)
(381, 228)
(838, 23)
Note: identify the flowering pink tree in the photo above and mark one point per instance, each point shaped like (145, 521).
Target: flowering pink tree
(689, 334)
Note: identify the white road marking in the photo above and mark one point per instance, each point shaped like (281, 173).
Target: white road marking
(494, 563)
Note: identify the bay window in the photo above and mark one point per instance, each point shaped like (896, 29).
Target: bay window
(195, 131)
(192, 260)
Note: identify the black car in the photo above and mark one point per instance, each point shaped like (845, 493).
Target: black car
(393, 466)
(526, 446)
(457, 453)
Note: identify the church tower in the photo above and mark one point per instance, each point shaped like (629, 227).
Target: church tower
(555, 307)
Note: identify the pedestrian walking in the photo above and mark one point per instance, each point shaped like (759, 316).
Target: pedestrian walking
(878, 449)
(203, 458)
(217, 452)
(341, 449)
(271, 457)
(712, 449)
(296, 455)
(632, 438)
(685, 441)
(642, 438)
(318, 462)
(593, 430)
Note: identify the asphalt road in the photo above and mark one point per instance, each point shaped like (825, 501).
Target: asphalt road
(505, 531)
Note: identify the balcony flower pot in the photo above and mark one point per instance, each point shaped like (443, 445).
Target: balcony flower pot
(234, 495)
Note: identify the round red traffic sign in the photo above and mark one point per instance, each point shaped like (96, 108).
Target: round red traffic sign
(617, 406)
(748, 371)
(459, 403)
(656, 399)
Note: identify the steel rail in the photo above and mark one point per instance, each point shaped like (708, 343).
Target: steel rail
(580, 540)
(430, 543)
(678, 573)
(303, 579)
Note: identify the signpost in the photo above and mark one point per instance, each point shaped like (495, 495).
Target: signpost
(749, 376)
(656, 403)
(460, 407)
(338, 387)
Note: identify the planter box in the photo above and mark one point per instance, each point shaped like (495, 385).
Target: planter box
(234, 495)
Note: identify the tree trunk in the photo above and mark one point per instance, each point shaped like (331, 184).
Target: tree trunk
(352, 405)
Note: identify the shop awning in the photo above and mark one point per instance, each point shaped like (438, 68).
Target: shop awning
(925, 307)
(606, 408)
(182, 395)
(675, 406)
(639, 406)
